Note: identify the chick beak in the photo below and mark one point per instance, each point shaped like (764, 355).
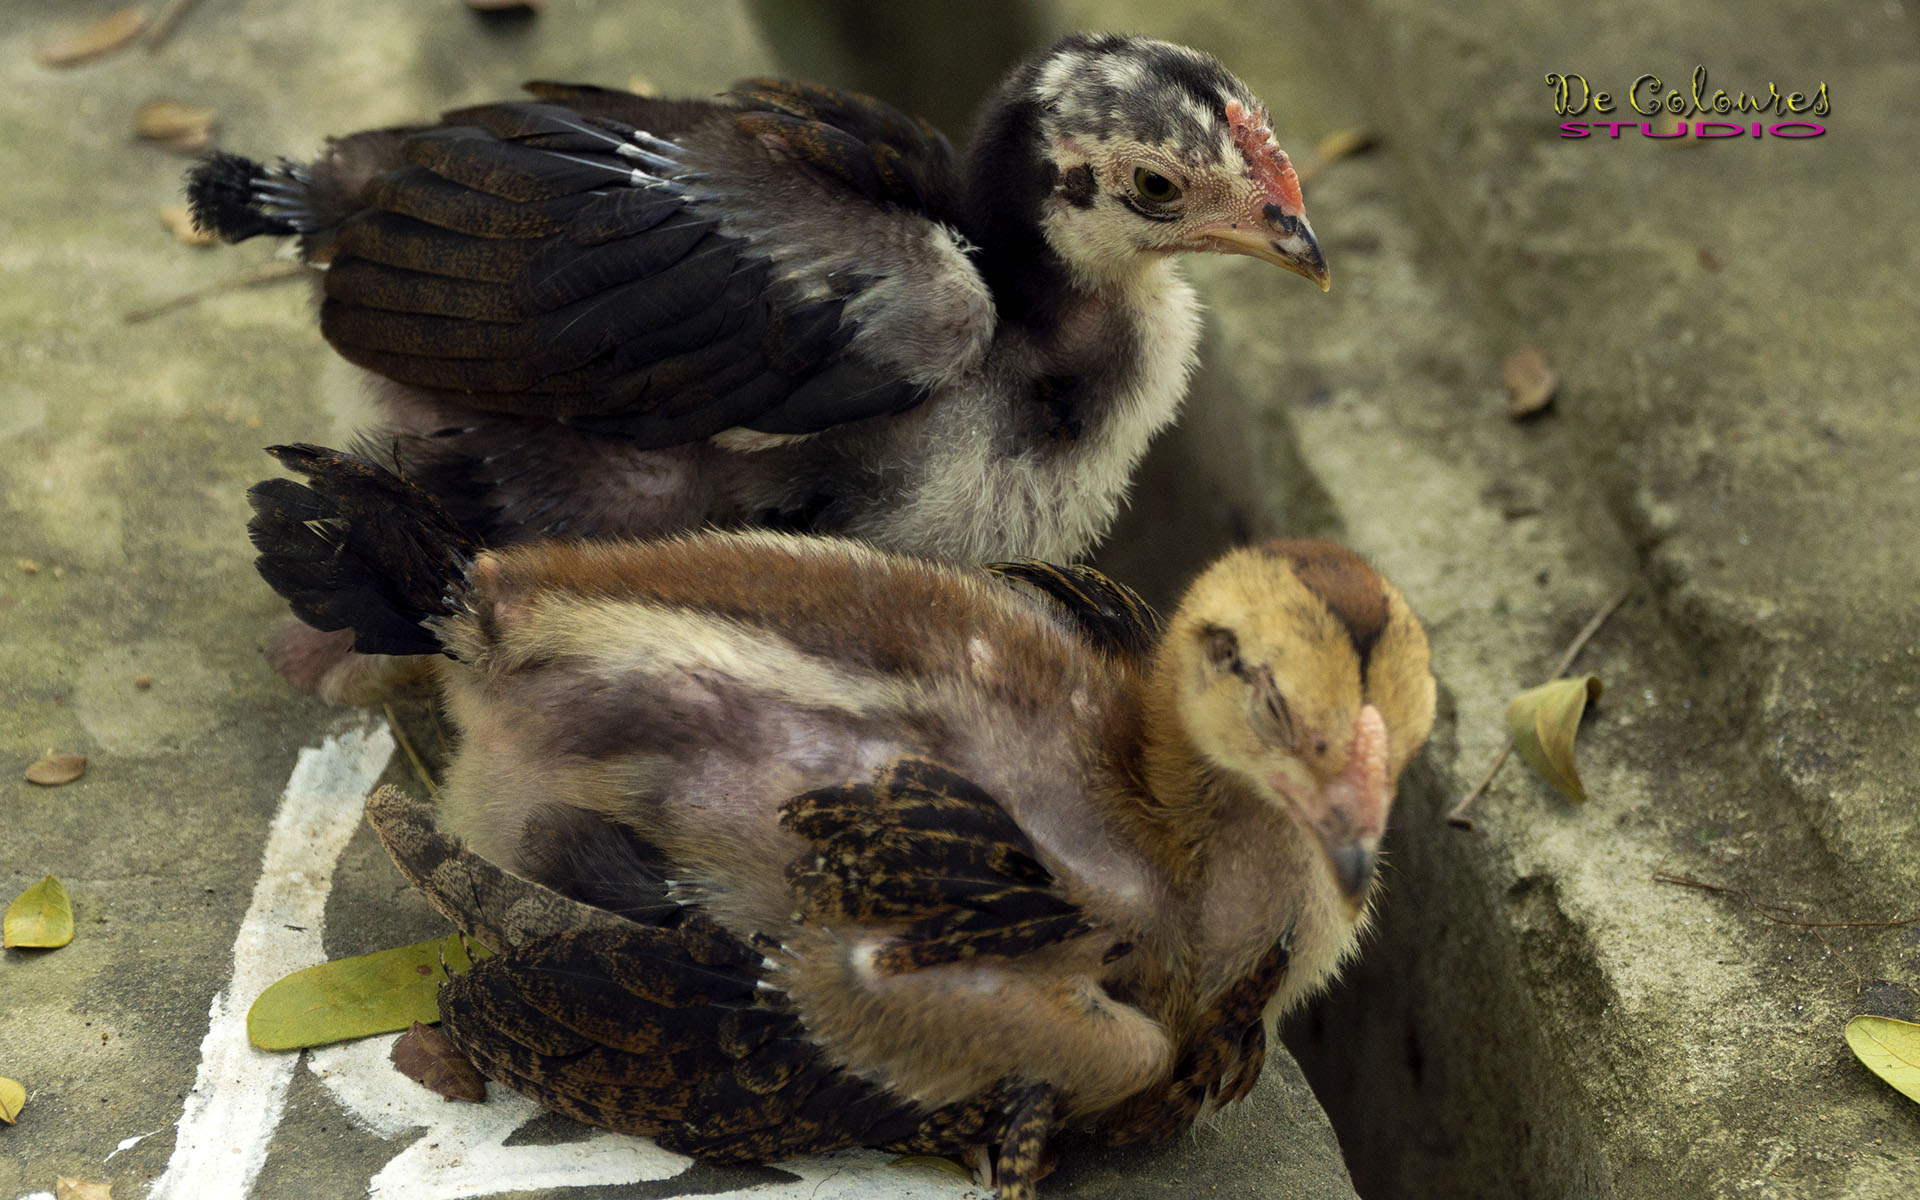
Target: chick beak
(1271, 221)
(1353, 808)
(1275, 237)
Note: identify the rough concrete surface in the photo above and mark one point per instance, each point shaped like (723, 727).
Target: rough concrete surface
(1736, 436)
(1536, 1016)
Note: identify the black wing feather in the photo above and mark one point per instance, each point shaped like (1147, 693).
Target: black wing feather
(514, 256)
(358, 547)
(1112, 616)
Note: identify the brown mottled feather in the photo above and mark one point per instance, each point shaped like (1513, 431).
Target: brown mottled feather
(921, 842)
(659, 1031)
(1223, 1059)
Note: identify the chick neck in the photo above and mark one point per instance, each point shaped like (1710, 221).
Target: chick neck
(1187, 793)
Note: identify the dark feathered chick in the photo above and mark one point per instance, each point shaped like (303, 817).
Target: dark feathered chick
(603, 314)
(898, 855)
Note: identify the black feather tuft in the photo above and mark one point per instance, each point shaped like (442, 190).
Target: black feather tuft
(221, 196)
(357, 547)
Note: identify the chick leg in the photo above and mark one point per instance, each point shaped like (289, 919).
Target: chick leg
(1031, 1120)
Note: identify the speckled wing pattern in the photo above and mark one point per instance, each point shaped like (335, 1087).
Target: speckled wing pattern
(541, 260)
(922, 844)
(1111, 615)
(661, 1027)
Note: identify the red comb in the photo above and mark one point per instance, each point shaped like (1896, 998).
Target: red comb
(1268, 162)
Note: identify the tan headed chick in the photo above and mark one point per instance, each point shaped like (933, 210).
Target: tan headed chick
(869, 850)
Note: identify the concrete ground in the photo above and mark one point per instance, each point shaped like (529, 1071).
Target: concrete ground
(1736, 436)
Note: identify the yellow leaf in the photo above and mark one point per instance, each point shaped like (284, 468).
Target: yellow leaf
(356, 997)
(40, 917)
(13, 1098)
(937, 1162)
(1542, 722)
(1891, 1050)
(80, 1189)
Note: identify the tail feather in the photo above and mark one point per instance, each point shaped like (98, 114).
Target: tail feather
(358, 547)
(236, 198)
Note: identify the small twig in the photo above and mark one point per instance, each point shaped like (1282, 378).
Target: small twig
(1778, 914)
(254, 278)
(163, 24)
(406, 744)
(1457, 815)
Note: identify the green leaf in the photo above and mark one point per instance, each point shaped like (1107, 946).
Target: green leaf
(357, 997)
(13, 1098)
(1891, 1050)
(1542, 722)
(40, 917)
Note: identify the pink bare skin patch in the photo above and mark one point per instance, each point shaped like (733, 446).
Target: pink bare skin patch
(1270, 166)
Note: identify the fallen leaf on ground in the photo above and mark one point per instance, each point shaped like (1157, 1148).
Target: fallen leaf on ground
(938, 1162)
(429, 1058)
(178, 219)
(53, 769)
(1542, 722)
(356, 997)
(102, 37)
(13, 1098)
(1891, 1050)
(1708, 259)
(40, 918)
(1530, 381)
(175, 124)
(80, 1189)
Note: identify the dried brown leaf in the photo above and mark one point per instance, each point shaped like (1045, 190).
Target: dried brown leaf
(1530, 381)
(53, 769)
(101, 38)
(1543, 721)
(13, 1098)
(79, 1189)
(178, 219)
(1709, 261)
(427, 1056)
(176, 124)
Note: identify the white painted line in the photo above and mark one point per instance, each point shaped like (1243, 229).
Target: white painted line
(237, 1098)
(463, 1151)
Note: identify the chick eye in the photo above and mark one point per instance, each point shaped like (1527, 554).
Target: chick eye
(1272, 718)
(1154, 186)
